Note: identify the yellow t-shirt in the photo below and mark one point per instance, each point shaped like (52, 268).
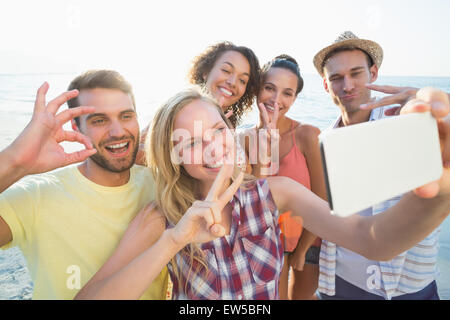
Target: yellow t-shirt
(67, 227)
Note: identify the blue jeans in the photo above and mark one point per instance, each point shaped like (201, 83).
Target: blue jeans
(347, 291)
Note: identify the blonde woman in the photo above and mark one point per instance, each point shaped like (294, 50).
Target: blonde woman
(220, 239)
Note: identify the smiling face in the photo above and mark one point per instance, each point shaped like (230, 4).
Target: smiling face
(228, 78)
(113, 128)
(206, 142)
(279, 86)
(345, 76)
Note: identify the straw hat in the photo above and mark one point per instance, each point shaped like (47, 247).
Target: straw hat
(348, 38)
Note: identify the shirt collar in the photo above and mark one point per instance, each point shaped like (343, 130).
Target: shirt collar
(375, 114)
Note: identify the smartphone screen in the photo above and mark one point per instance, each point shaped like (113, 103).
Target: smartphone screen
(367, 163)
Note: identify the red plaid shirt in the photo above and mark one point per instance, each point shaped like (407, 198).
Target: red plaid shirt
(243, 265)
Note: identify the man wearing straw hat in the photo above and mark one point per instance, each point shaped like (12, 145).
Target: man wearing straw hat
(347, 66)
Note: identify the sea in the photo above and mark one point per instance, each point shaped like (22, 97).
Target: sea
(313, 106)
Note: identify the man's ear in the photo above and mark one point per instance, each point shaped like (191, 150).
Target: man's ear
(373, 73)
(325, 84)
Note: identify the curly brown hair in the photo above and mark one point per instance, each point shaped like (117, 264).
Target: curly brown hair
(203, 63)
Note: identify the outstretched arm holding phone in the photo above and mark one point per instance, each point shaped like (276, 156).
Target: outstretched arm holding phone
(399, 228)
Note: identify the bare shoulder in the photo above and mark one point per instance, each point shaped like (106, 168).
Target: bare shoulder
(307, 136)
(307, 132)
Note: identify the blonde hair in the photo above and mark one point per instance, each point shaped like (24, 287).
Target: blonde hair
(175, 188)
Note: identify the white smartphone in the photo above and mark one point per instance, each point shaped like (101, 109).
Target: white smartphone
(365, 164)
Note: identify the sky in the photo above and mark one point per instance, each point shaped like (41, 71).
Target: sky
(160, 38)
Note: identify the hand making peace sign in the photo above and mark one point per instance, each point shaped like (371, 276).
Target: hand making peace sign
(202, 221)
(268, 139)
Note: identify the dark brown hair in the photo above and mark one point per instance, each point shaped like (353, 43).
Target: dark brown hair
(92, 79)
(286, 62)
(204, 62)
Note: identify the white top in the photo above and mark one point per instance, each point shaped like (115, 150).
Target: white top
(357, 270)
(409, 272)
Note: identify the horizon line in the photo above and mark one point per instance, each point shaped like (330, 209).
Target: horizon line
(306, 73)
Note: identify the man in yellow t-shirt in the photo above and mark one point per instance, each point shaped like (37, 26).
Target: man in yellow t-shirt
(69, 221)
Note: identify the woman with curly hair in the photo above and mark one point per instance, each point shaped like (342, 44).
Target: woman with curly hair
(230, 74)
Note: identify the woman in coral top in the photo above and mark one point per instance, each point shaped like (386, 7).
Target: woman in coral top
(299, 159)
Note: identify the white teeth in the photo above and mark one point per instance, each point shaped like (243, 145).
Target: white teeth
(270, 108)
(228, 93)
(214, 166)
(117, 146)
